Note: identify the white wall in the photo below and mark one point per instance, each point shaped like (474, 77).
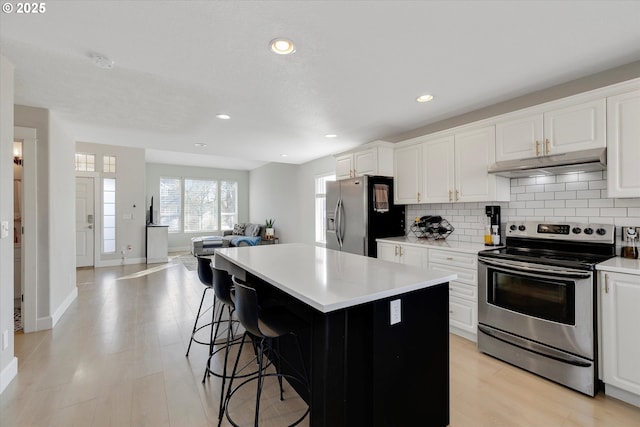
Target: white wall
(62, 202)
(274, 194)
(154, 171)
(130, 200)
(286, 193)
(307, 174)
(8, 362)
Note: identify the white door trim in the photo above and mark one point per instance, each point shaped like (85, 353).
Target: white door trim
(29, 248)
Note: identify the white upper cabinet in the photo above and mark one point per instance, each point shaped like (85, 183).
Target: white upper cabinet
(438, 183)
(375, 158)
(474, 153)
(407, 174)
(449, 168)
(519, 138)
(623, 145)
(578, 127)
(344, 166)
(571, 128)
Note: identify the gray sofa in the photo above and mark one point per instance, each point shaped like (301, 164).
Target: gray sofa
(242, 235)
(247, 234)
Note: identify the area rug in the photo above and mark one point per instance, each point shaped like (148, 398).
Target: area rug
(187, 260)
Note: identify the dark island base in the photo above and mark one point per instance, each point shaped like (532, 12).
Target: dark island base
(366, 372)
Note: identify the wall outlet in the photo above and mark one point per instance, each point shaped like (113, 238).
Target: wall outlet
(4, 229)
(396, 311)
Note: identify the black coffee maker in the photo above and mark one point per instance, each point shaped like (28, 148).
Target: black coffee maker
(492, 226)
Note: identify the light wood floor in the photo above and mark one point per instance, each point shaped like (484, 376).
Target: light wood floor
(117, 358)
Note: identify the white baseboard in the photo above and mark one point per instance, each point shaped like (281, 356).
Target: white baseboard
(44, 323)
(625, 396)
(116, 262)
(180, 249)
(8, 374)
(55, 317)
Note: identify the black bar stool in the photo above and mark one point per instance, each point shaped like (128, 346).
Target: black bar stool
(264, 326)
(222, 288)
(206, 278)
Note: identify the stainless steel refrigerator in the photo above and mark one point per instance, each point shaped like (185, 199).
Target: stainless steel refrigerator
(360, 210)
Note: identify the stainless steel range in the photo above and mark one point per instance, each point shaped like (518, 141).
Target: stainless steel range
(537, 299)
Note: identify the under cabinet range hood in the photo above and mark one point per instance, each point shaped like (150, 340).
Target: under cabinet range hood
(577, 161)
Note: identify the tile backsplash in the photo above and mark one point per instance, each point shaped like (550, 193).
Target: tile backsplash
(579, 197)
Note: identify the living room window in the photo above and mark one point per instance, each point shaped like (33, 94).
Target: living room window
(321, 207)
(191, 205)
(109, 164)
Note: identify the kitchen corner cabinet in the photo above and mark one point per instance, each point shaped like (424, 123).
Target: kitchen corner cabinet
(403, 254)
(562, 130)
(623, 145)
(620, 345)
(377, 159)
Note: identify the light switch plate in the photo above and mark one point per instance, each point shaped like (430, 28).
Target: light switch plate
(4, 231)
(5, 339)
(396, 311)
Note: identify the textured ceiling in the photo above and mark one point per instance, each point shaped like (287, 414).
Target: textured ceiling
(358, 68)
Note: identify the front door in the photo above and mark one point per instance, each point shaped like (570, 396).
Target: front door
(85, 221)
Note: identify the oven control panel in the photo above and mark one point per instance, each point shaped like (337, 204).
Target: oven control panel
(573, 231)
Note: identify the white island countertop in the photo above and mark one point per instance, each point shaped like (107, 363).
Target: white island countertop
(329, 280)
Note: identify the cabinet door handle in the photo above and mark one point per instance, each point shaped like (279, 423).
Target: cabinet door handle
(396, 247)
(401, 251)
(606, 283)
(449, 258)
(537, 148)
(450, 192)
(457, 195)
(546, 146)
(418, 196)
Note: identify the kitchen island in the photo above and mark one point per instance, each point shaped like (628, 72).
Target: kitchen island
(376, 342)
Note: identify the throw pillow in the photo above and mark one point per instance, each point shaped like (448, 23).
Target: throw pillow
(252, 230)
(238, 230)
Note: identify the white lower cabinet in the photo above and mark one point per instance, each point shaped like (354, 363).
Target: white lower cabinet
(403, 254)
(620, 338)
(463, 292)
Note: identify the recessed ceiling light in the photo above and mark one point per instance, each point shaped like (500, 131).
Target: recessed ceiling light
(200, 144)
(282, 46)
(284, 155)
(424, 98)
(223, 116)
(102, 61)
(331, 135)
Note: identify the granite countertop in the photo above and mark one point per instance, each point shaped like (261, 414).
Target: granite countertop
(450, 245)
(620, 265)
(329, 280)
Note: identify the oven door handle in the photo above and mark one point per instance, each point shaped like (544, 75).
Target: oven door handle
(571, 274)
(533, 347)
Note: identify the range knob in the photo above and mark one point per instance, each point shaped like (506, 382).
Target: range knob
(577, 230)
(522, 227)
(601, 231)
(513, 227)
(588, 230)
